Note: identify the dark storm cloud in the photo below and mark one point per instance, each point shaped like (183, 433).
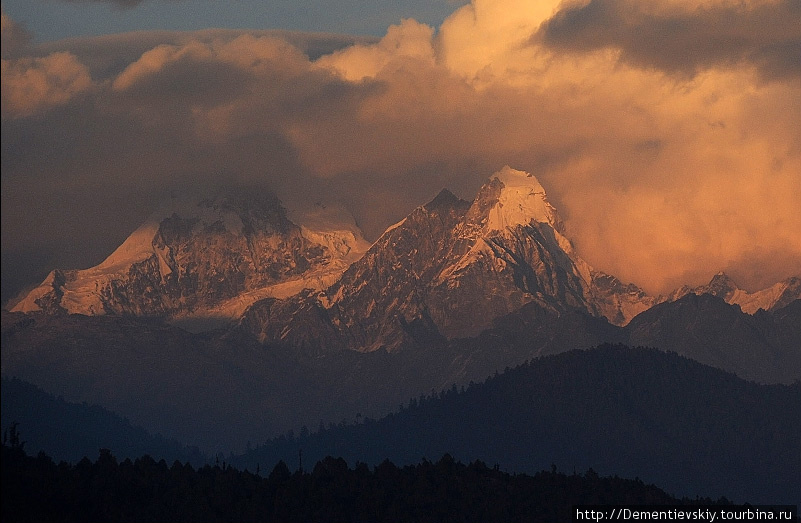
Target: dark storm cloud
(684, 41)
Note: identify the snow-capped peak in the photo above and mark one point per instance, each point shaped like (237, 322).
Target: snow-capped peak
(521, 200)
(204, 259)
(219, 210)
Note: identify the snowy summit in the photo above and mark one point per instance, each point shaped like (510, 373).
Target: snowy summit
(522, 200)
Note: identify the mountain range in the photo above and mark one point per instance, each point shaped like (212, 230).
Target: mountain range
(231, 319)
(447, 270)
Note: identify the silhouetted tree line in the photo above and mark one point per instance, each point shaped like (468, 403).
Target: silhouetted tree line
(37, 489)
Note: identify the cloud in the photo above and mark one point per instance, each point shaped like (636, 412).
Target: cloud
(32, 84)
(36, 84)
(487, 39)
(684, 38)
(665, 172)
(408, 42)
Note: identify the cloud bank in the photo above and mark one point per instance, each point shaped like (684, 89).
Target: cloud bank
(665, 132)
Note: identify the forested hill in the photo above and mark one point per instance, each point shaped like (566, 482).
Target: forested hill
(71, 431)
(634, 412)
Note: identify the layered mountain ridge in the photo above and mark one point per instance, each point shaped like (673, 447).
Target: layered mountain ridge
(446, 271)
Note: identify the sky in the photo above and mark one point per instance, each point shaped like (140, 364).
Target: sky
(666, 132)
(50, 20)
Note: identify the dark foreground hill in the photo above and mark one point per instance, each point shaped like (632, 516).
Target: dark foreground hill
(692, 429)
(37, 489)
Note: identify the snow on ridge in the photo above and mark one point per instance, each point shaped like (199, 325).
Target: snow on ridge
(139, 245)
(136, 247)
(79, 291)
(727, 289)
(343, 243)
(80, 288)
(394, 226)
(232, 309)
(517, 178)
(28, 302)
(751, 302)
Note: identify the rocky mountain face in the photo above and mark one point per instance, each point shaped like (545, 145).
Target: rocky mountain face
(448, 270)
(211, 258)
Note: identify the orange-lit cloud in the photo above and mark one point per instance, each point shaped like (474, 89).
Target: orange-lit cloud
(34, 84)
(669, 162)
(31, 85)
